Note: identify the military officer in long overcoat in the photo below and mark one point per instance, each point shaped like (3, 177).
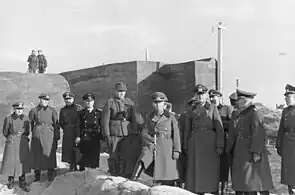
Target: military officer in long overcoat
(250, 167)
(16, 158)
(45, 135)
(203, 144)
(70, 124)
(119, 126)
(285, 143)
(225, 114)
(183, 158)
(89, 133)
(161, 136)
(33, 62)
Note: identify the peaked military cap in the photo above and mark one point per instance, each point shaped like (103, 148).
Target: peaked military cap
(68, 95)
(18, 105)
(244, 94)
(290, 89)
(44, 96)
(233, 96)
(89, 97)
(159, 97)
(213, 92)
(120, 86)
(200, 89)
(192, 100)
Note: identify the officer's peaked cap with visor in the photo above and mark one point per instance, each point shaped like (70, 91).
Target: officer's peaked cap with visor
(213, 92)
(159, 97)
(88, 97)
(44, 96)
(200, 89)
(290, 89)
(68, 95)
(120, 86)
(18, 105)
(244, 94)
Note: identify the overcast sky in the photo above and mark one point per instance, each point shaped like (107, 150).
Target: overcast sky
(258, 45)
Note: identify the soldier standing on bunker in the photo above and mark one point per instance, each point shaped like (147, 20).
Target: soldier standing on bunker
(225, 114)
(203, 144)
(33, 62)
(89, 134)
(42, 62)
(16, 157)
(250, 168)
(70, 124)
(45, 135)
(285, 143)
(118, 122)
(164, 126)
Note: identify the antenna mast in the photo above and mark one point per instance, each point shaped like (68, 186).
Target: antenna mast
(219, 57)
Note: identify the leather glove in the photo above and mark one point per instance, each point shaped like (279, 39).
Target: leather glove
(77, 140)
(219, 151)
(256, 157)
(109, 141)
(175, 155)
(279, 151)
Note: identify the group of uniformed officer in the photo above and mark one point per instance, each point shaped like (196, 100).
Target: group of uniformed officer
(209, 141)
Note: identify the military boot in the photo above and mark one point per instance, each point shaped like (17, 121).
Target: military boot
(112, 167)
(120, 167)
(23, 183)
(73, 167)
(37, 175)
(50, 175)
(139, 167)
(10, 184)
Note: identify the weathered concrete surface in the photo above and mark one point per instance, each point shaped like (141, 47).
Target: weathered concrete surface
(26, 87)
(142, 79)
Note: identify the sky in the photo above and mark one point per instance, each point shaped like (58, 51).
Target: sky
(258, 46)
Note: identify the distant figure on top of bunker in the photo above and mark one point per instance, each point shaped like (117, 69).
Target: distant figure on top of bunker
(37, 62)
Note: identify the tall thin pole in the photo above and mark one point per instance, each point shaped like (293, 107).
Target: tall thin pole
(219, 56)
(237, 83)
(146, 54)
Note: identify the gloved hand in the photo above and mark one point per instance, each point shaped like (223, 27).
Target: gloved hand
(175, 155)
(77, 140)
(109, 141)
(256, 157)
(219, 151)
(279, 151)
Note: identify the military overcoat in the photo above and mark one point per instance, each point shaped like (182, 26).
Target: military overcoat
(248, 137)
(45, 135)
(225, 114)
(286, 143)
(167, 141)
(203, 135)
(16, 158)
(69, 122)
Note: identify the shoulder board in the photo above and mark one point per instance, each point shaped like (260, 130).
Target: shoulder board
(98, 109)
(128, 101)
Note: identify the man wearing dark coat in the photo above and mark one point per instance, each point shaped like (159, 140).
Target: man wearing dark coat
(225, 114)
(45, 135)
(33, 62)
(203, 144)
(250, 167)
(70, 124)
(89, 133)
(42, 62)
(121, 132)
(285, 143)
(161, 144)
(16, 157)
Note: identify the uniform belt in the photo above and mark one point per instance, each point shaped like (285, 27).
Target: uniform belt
(241, 136)
(44, 124)
(119, 119)
(289, 132)
(202, 129)
(161, 135)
